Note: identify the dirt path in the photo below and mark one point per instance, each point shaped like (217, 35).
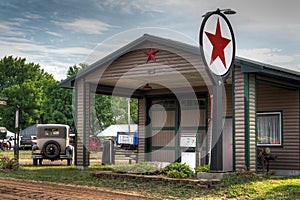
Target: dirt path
(26, 189)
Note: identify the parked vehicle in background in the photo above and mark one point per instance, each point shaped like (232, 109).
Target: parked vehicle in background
(33, 140)
(7, 139)
(52, 143)
(26, 137)
(3, 144)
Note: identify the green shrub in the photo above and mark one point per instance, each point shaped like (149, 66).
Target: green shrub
(8, 163)
(204, 168)
(178, 170)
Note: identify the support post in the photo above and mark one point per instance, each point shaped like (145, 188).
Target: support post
(217, 128)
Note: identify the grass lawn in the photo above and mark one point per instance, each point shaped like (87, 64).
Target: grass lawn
(238, 186)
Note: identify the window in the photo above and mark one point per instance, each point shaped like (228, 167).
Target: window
(51, 132)
(269, 130)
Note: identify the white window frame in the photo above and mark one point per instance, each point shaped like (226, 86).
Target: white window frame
(280, 129)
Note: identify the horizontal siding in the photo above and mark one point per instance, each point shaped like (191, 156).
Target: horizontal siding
(252, 115)
(279, 99)
(80, 116)
(239, 120)
(141, 129)
(86, 136)
(82, 108)
(135, 61)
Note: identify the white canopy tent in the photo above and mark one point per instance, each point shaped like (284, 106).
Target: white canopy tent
(113, 130)
(10, 133)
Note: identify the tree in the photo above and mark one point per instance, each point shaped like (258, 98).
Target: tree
(23, 84)
(14, 71)
(75, 69)
(58, 107)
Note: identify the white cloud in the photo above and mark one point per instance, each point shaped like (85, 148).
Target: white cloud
(70, 50)
(4, 27)
(56, 68)
(129, 7)
(84, 25)
(32, 16)
(171, 7)
(19, 20)
(54, 33)
(54, 60)
(10, 29)
(266, 55)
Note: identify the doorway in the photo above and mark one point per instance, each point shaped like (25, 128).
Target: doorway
(169, 120)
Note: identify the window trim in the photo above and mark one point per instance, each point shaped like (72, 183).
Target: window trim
(280, 128)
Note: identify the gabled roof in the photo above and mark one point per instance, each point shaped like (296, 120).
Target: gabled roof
(248, 66)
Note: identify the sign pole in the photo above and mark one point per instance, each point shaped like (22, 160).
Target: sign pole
(217, 124)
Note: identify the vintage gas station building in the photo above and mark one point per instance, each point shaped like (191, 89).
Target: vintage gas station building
(173, 91)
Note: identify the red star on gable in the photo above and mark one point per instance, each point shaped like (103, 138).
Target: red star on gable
(151, 55)
(219, 43)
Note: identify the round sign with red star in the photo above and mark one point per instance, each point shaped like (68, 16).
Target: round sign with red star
(217, 43)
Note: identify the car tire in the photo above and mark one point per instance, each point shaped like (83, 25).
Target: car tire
(51, 149)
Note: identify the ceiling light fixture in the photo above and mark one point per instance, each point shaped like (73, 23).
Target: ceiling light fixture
(147, 87)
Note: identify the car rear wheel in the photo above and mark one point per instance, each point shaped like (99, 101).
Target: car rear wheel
(51, 149)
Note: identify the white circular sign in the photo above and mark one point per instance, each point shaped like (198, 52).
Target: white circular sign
(217, 43)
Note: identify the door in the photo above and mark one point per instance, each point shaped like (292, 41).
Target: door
(169, 119)
(163, 130)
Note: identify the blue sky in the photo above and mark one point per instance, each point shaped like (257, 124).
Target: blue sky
(57, 34)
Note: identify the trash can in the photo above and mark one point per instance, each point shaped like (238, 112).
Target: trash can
(108, 156)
